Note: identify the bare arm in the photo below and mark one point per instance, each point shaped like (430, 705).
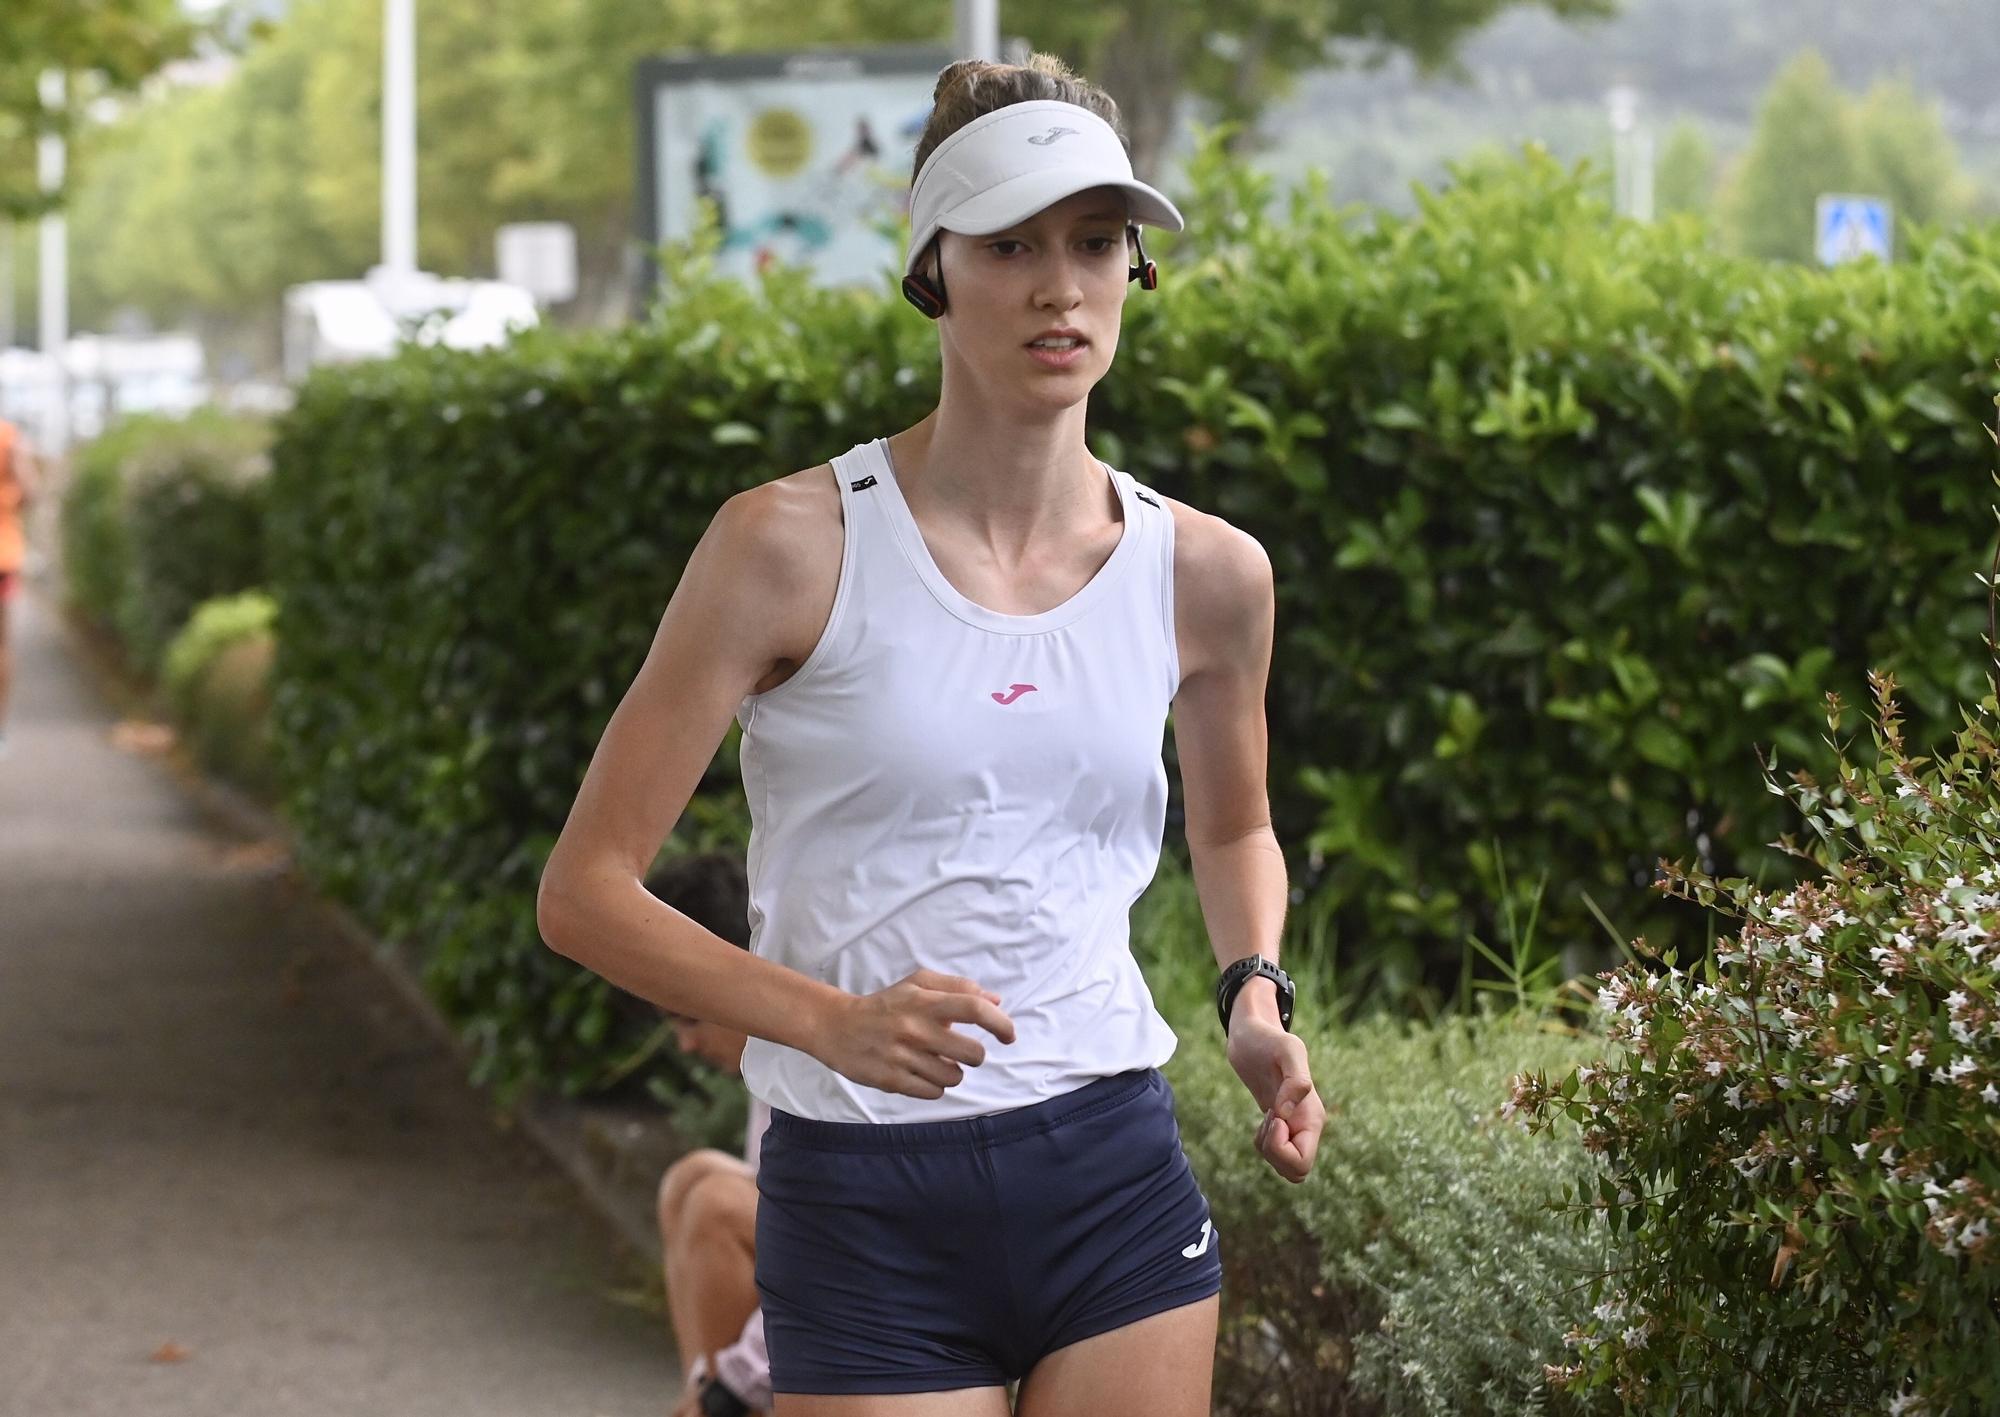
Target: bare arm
(723, 631)
(1227, 608)
(1239, 871)
(21, 466)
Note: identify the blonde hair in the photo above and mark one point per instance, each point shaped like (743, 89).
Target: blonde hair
(970, 88)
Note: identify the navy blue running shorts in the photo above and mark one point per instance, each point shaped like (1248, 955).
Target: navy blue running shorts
(924, 1256)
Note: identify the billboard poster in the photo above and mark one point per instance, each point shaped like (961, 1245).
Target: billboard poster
(806, 154)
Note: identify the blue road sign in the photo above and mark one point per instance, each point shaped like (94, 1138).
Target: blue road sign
(1852, 227)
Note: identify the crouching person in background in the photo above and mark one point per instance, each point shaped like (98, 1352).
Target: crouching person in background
(708, 1199)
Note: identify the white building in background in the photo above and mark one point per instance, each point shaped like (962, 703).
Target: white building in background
(339, 321)
(108, 375)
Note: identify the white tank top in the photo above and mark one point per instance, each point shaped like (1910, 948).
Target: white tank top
(943, 786)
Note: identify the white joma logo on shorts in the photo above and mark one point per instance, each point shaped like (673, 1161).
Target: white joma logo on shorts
(1199, 1249)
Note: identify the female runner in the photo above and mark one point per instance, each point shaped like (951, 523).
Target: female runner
(952, 651)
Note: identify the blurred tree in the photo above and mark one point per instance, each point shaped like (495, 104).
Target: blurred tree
(102, 47)
(1907, 156)
(1804, 145)
(1685, 178)
(1811, 139)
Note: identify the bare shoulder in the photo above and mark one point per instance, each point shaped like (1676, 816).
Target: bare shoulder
(786, 518)
(786, 536)
(1224, 591)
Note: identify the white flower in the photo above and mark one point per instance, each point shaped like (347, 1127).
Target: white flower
(1916, 1058)
(1733, 1094)
(1713, 1067)
(1634, 1337)
(1956, 1000)
(1843, 1094)
(1861, 1149)
(1989, 1094)
(1906, 791)
(1882, 989)
(1953, 882)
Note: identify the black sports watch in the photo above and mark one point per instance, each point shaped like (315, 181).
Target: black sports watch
(1242, 972)
(718, 1401)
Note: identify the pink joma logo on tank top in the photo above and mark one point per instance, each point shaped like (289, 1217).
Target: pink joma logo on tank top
(1014, 691)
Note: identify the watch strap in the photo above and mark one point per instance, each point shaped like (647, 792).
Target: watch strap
(1241, 972)
(717, 1400)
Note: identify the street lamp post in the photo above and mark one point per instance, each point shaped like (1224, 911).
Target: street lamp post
(54, 271)
(1631, 155)
(399, 136)
(977, 29)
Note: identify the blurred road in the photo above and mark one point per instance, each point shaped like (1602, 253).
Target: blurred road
(237, 1174)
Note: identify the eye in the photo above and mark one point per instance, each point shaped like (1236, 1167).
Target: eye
(1103, 244)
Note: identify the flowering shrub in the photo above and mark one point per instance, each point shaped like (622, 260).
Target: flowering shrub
(1799, 1141)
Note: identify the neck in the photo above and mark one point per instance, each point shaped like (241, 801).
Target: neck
(1009, 483)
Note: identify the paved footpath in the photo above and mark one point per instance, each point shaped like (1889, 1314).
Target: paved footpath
(237, 1173)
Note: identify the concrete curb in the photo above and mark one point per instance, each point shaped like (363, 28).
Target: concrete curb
(614, 1152)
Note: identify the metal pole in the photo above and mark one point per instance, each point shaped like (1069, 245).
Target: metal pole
(399, 135)
(54, 272)
(1642, 174)
(1623, 101)
(977, 33)
(6, 283)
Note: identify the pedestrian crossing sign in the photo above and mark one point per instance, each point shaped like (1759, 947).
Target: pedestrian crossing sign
(1851, 227)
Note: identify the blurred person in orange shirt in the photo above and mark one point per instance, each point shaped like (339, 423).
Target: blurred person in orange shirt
(17, 485)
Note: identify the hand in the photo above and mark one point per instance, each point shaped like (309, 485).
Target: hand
(899, 1039)
(1272, 1064)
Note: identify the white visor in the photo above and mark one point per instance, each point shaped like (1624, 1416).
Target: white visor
(1004, 166)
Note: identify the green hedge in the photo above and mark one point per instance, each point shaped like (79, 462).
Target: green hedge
(1568, 516)
(1421, 1268)
(216, 676)
(165, 513)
